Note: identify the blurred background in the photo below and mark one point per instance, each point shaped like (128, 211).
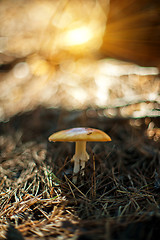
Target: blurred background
(76, 54)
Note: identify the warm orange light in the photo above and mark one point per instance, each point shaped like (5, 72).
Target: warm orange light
(78, 36)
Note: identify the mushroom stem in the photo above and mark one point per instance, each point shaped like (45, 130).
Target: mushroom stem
(80, 157)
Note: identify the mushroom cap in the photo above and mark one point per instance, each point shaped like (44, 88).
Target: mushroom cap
(80, 134)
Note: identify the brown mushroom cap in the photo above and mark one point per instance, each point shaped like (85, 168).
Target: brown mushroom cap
(80, 134)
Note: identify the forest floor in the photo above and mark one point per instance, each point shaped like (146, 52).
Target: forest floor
(118, 199)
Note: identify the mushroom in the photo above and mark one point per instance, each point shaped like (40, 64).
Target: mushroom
(80, 136)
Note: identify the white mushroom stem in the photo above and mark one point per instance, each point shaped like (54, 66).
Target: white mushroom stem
(80, 158)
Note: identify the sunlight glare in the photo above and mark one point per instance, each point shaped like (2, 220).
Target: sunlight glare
(78, 36)
(21, 70)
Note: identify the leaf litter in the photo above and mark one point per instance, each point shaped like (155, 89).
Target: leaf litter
(118, 198)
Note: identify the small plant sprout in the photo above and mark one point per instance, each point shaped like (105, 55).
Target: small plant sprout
(80, 136)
